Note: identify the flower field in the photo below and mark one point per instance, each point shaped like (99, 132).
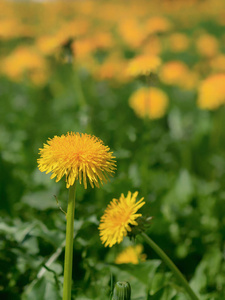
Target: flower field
(121, 103)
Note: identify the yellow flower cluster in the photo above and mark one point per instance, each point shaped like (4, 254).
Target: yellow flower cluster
(81, 157)
(142, 30)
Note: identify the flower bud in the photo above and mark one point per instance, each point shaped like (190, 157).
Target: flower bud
(143, 224)
(122, 291)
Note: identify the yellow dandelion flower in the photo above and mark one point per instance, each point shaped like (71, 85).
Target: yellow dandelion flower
(102, 40)
(77, 156)
(118, 218)
(131, 32)
(83, 48)
(23, 60)
(113, 68)
(143, 65)
(178, 42)
(174, 73)
(207, 45)
(47, 44)
(218, 63)
(10, 28)
(212, 92)
(131, 254)
(149, 102)
(157, 24)
(153, 45)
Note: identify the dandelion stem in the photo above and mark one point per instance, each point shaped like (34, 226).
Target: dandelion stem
(79, 89)
(67, 283)
(171, 265)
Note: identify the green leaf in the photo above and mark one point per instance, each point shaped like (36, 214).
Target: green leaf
(144, 271)
(44, 289)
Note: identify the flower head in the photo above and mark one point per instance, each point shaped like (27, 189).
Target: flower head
(149, 102)
(212, 92)
(174, 73)
(118, 218)
(178, 42)
(157, 24)
(143, 65)
(207, 45)
(77, 156)
(131, 254)
(22, 61)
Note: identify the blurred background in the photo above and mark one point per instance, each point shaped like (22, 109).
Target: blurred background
(146, 77)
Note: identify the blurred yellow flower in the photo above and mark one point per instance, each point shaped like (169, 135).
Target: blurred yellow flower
(212, 92)
(152, 46)
(118, 218)
(85, 46)
(82, 48)
(177, 73)
(178, 42)
(218, 63)
(74, 28)
(143, 65)
(113, 68)
(102, 40)
(10, 28)
(23, 60)
(207, 45)
(157, 24)
(48, 44)
(131, 254)
(149, 102)
(173, 72)
(77, 156)
(131, 32)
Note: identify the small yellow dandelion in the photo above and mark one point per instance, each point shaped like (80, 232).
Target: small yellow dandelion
(212, 92)
(23, 60)
(157, 24)
(131, 254)
(207, 45)
(149, 102)
(174, 73)
(178, 42)
(118, 218)
(143, 65)
(77, 156)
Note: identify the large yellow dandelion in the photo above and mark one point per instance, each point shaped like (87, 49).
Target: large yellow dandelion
(77, 156)
(131, 254)
(118, 218)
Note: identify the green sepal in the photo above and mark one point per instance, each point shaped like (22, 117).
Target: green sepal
(143, 224)
(122, 291)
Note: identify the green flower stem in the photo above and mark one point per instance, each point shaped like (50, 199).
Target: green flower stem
(171, 265)
(78, 87)
(67, 283)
